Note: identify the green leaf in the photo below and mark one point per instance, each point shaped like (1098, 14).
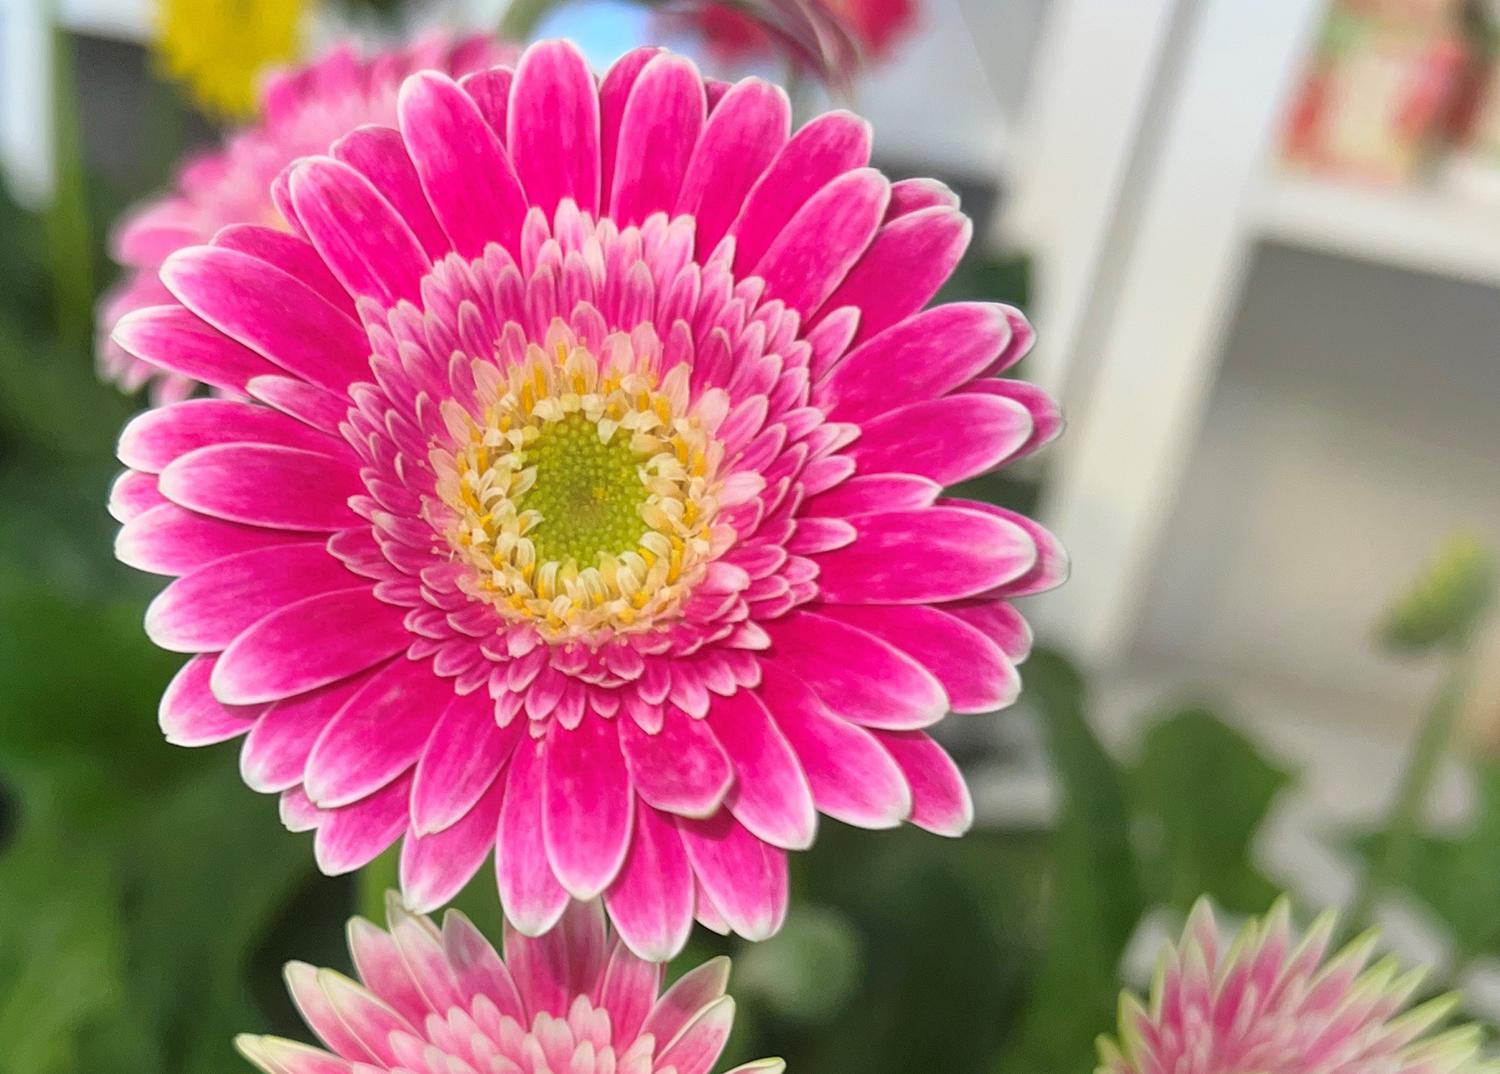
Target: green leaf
(1203, 791)
(1095, 899)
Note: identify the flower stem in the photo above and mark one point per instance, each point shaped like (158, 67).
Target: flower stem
(1393, 856)
(373, 881)
(67, 219)
(521, 17)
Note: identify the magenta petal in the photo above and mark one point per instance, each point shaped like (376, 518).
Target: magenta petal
(204, 611)
(940, 798)
(169, 540)
(659, 128)
(464, 753)
(826, 148)
(916, 557)
(190, 715)
(998, 621)
(529, 892)
(491, 93)
(291, 254)
(947, 440)
(274, 756)
(568, 961)
(1049, 570)
(156, 437)
(469, 180)
(922, 357)
(770, 796)
(352, 837)
(741, 138)
(866, 494)
(271, 312)
(974, 671)
(132, 494)
(377, 735)
(614, 94)
(744, 876)
(913, 195)
(145, 236)
(852, 778)
(701, 1042)
(1046, 418)
(435, 868)
(379, 154)
(478, 967)
(908, 261)
(858, 676)
(309, 644)
(824, 240)
(357, 232)
(651, 901)
(681, 769)
(177, 340)
(265, 485)
(589, 806)
(553, 123)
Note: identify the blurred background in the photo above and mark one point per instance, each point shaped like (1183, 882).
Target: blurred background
(1260, 240)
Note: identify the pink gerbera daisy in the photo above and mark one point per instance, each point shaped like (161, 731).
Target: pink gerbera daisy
(436, 1001)
(590, 497)
(1269, 1004)
(303, 110)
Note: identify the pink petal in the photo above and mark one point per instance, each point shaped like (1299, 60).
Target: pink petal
(589, 806)
(614, 94)
(741, 138)
(278, 1056)
(947, 440)
(155, 438)
(204, 611)
(974, 671)
(859, 677)
(275, 752)
(629, 989)
(462, 756)
(866, 494)
(701, 1042)
(1050, 568)
(491, 92)
(998, 621)
(806, 262)
(770, 796)
(318, 1013)
(311, 405)
(383, 971)
(553, 124)
(908, 261)
(690, 995)
(940, 798)
(435, 868)
(532, 897)
(169, 540)
(377, 735)
(379, 154)
(681, 769)
(826, 148)
(922, 357)
(271, 312)
(912, 195)
(178, 341)
(265, 485)
(291, 254)
(191, 716)
(359, 235)
(355, 835)
(745, 877)
(916, 557)
(568, 961)
(470, 182)
(309, 644)
(651, 901)
(658, 130)
(478, 967)
(1046, 418)
(852, 778)
(133, 494)
(146, 236)
(367, 1018)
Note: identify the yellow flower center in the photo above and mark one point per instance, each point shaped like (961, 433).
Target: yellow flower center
(584, 498)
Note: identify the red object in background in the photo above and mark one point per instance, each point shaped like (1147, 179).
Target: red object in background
(734, 36)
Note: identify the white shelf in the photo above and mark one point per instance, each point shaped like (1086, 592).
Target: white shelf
(1428, 231)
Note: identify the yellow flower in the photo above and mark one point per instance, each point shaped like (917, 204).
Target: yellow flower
(220, 47)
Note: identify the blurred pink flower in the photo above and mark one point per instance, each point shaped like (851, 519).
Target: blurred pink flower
(591, 502)
(1271, 1005)
(733, 35)
(435, 1001)
(303, 110)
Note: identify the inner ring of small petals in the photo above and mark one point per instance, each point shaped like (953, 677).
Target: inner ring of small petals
(584, 495)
